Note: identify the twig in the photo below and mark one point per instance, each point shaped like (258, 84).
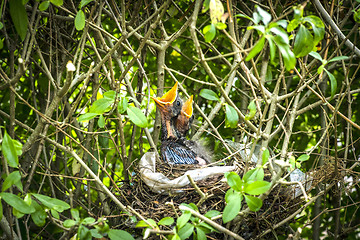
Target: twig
(210, 222)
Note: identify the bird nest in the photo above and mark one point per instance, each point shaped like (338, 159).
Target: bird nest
(283, 201)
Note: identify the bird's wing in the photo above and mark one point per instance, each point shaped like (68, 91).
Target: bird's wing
(175, 153)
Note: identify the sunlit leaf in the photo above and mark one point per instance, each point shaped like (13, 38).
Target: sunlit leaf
(101, 121)
(333, 83)
(9, 151)
(17, 203)
(232, 207)
(123, 105)
(252, 110)
(303, 157)
(287, 54)
(234, 181)
(209, 94)
(57, 2)
(80, 20)
(13, 178)
(257, 188)
(87, 116)
(209, 32)
(339, 58)
(137, 116)
(183, 219)
(166, 221)
(52, 203)
(316, 55)
(101, 105)
(220, 25)
(68, 223)
(84, 3)
(265, 156)
(231, 116)
(265, 16)
(44, 5)
(186, 231)
(216, 10)
(304, 42)
(212, 213)
(200, 234)
(253, 203)
(256, 49)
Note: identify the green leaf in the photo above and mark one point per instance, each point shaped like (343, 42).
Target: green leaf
(137, 116)
(231, 116)
(57, 2)
(44, 5)
(265, 16)
(287, 54)
(142, 223)
(84, 3)
(19, 17)
(212, 213)
(232, 207)
(265, 156)
(251, 175)
(303, 158)
(80, 20)
(166, 221)
(55, 214)
(1, 41)
(272, 48)
(13, 178)
(200, 234)
(101, 121)
(68, 223)
(253, 203)
(206, 6)
(17, 203)
(220, 25)
(256, 49)
(316, 55)
(123, 105)
(209, 95)
(186, 231)
(84, 233)
(9, 151)
(293, 25)
(110, 95)
(252, 110)
(87, 117)
(75, 214)
(115, 234)
(209, 32)
(176, 237)
(333, 83)
(318, 27)
(281, 34)
(101, 105)
(257, 188)
(95, 233)
(39, 216)
(183, 219)
(88, 220)
(52, 203)
(244, 16)
(304, 42)
(234, 181)
(339, 58)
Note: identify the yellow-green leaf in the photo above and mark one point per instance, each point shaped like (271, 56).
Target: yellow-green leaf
(80, 20)
(137, 116)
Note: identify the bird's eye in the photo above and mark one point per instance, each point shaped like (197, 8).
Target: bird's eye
(178, 103)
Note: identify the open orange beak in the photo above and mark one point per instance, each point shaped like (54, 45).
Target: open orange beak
(167, 98)
(187, 108)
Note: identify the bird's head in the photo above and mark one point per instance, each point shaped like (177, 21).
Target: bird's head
(170, 103)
